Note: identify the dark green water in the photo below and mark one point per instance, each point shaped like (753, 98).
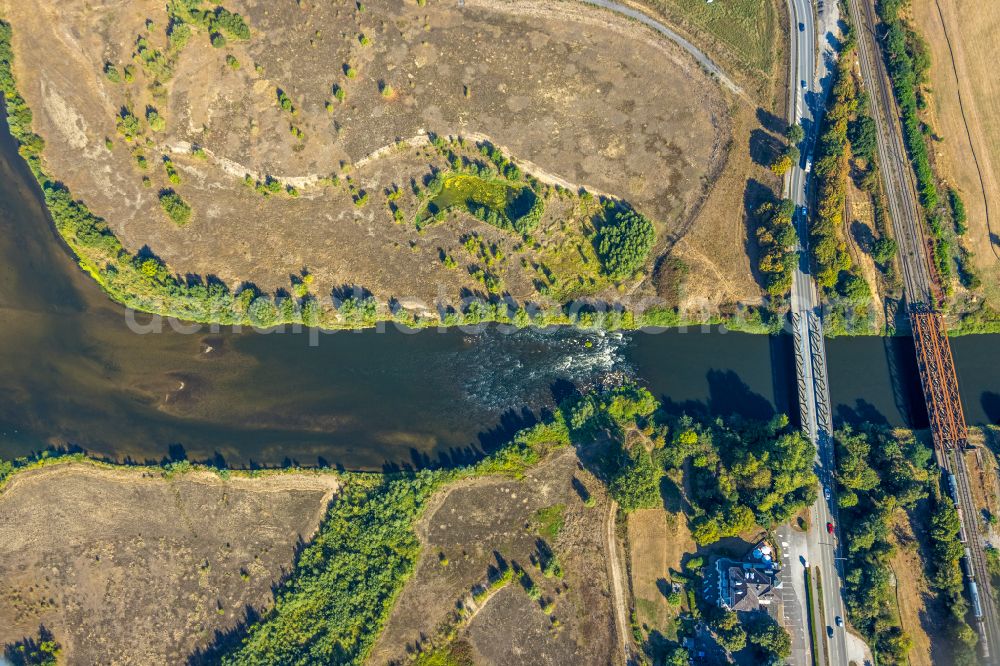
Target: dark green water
(73, 373)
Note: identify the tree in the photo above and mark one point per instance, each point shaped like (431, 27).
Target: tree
(781, 164)
(883, 249)
(128, 125)
(636, 485)
(771, 639)
(795, 134)
(730, 633)
(624, 241)
(155, 120)
(862, 134)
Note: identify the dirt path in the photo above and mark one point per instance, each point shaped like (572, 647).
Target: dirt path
(617, 584)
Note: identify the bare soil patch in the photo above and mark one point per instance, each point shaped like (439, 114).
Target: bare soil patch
(587, 97)
(125, 566)
(465, 530)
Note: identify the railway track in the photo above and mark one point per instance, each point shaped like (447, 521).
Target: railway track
(897, 174)
(984, 610)
(933, 350)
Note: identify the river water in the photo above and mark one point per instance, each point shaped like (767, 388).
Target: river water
(75, 374)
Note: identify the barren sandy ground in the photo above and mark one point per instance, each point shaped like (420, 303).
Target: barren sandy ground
(124, 566)
(965, 83)
(470, 523)
(587, 97)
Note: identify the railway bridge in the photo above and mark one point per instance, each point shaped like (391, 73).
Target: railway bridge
(934, 360)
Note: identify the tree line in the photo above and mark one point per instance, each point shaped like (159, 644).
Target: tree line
(881, 475)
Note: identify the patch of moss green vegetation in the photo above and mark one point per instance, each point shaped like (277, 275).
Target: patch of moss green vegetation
(493, 200)
(549, 521)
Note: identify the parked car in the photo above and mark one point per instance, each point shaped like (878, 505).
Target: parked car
(829, 528)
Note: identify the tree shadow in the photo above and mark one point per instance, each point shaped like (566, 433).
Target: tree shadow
(32, 650)
(764, 147)
(862, 412)
(511, 421)
(771, 122)
(991, 405)
(346, 291)
(863, 236)
(755, 195)
(729, 395)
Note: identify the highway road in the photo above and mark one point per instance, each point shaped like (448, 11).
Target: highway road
(822, 548)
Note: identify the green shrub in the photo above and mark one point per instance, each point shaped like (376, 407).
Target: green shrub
(284, 101)
(884, 249)
(155, 120)
(111, 72)
(958, 213)
(128, 125)
(175, 207)
(171, 170)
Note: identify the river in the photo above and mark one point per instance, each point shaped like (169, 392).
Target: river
(75, 374)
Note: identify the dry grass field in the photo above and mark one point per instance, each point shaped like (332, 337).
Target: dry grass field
(744, 36)
(126, 566)
(965, 83)
(321, 86)
(913, 596)
(466, 532)
(658, 541)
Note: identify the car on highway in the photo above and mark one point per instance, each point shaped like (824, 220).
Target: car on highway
(840, 621)
(829, 631)
(802, 27)
(803, 83)
(829, 528)
(826, 493)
